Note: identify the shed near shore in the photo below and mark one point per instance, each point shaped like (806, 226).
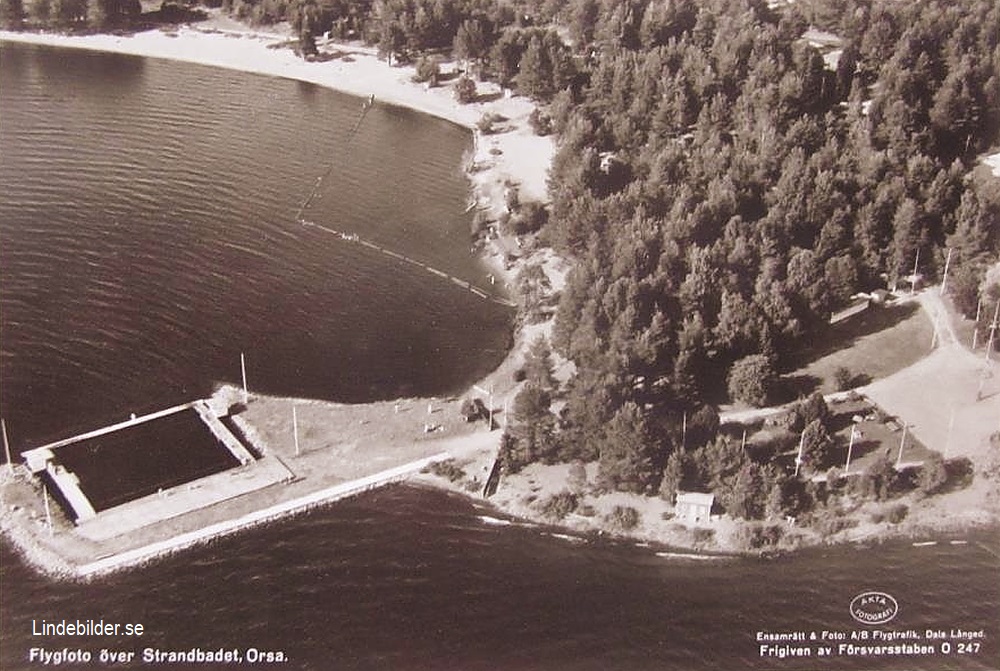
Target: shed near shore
(694, 506)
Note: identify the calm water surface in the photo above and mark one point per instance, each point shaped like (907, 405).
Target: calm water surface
(147, 237)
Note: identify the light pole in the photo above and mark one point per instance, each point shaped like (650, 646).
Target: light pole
(798, 457)
(850, 449)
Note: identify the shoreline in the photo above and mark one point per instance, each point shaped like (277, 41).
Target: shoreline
(514, 154)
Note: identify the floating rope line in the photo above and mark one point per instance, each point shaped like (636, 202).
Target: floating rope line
(355, 238)
(352, 237)
(367, 105)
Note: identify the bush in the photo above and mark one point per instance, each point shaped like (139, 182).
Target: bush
(445, 469)
(828, 526)
(540, 122)
(465, 90)
(625, 518)
(879, 481)
(428, 70)
(703, 536)
(558, 505)
(576, 479)
(512, 199)
(933, 475)
(811, 409)
(532, 217)
(485, 123)
(893, 515)
(843, 379)
(751, 379)
(469, 411)
(960, 471)
(896, 513)
(756, 536)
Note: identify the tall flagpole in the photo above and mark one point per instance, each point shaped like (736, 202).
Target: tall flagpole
(975, 329)
(243, 369)
(684, 430)
(798, 457)
(993, 329)
(6, 447)
(295, 429)
(902, 442)
(947, 262)
(490, 397)
(850, 448)
(48, 514)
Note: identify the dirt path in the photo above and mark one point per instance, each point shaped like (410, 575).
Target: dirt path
(949, 399)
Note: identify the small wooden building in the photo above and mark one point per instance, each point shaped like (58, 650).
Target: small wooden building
(694, 507)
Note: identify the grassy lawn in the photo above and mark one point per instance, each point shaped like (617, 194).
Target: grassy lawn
(878, 433)
(871, 345)
(964, 328)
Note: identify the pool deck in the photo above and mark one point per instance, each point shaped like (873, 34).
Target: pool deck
(176, 501)
(343, 451)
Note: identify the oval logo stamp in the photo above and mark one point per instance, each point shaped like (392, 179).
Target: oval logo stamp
(874, 608)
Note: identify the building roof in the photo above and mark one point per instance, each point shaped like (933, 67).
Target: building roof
(696, 498)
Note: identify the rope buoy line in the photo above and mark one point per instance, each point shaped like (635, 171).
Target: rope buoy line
(367, 105)
(352, 237)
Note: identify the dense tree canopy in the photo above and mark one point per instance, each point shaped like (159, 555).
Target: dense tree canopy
(723, 190)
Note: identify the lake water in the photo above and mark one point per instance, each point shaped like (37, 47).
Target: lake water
(147, 237)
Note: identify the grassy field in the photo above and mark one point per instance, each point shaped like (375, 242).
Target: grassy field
(871, 345)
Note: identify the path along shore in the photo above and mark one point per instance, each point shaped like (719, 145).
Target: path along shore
(345, 449)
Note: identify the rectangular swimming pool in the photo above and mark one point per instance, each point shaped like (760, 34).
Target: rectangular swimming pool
(139, 460)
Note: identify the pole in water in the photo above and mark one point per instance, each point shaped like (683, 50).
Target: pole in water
(6, 446)
(295, 429)
(243, 369)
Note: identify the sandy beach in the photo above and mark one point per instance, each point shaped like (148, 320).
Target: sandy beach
(514, 155)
